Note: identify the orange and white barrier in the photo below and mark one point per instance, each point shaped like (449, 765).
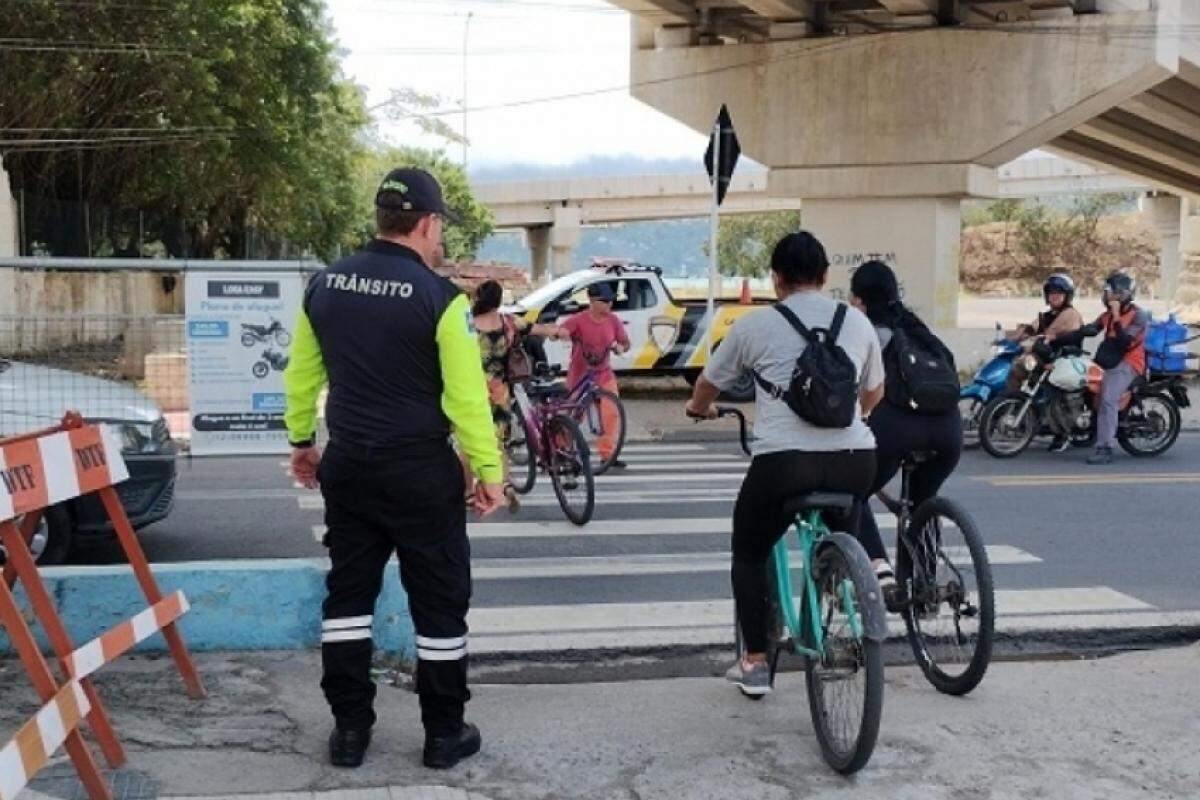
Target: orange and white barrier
(121, 639)
(35, 744)
(39, 470)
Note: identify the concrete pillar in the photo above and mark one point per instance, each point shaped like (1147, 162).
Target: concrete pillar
(1187, 293)
(9, 221)
(9, 241)
(537, 239)
(1165, 213)
(566, 234)
(916, 236)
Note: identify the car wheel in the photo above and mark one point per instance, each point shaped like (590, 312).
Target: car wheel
(51, 542)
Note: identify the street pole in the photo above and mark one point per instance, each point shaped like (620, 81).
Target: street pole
(714, 221)
(466, 43)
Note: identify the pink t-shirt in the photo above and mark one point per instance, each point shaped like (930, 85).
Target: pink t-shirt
(593, 336)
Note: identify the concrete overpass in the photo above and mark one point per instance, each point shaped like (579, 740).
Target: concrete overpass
(553, 212)
(882, 115)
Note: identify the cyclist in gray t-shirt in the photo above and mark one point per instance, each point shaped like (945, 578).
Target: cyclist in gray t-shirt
(791, 457)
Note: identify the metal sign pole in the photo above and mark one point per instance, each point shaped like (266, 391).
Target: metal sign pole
(714, 222)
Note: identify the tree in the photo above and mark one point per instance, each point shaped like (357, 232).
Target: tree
(222, 117)
(746, 240)
(462, 239)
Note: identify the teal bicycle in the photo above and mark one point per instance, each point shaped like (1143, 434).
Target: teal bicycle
(834, 617)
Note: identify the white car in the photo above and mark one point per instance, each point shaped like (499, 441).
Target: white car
(34, 397)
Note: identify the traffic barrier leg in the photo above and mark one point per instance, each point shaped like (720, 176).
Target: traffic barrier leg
(43, 607)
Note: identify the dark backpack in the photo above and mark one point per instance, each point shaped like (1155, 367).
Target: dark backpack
(923, 378)
(823, 390)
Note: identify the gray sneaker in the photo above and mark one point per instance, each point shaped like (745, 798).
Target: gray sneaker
(754, 682)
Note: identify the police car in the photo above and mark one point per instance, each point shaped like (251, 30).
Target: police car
(668, 336)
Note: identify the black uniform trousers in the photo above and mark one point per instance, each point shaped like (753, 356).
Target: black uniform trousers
(409, 503)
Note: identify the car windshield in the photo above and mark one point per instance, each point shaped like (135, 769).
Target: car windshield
(550, 291)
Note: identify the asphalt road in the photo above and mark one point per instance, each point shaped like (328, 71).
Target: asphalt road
(1068, 539)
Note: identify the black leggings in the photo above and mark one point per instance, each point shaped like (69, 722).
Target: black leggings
(899, 433)
(759, 520)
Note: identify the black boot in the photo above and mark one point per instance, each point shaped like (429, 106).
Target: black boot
(443, 752)
(347, 748)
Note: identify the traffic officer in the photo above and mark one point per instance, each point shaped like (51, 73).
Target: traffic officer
(395, 344)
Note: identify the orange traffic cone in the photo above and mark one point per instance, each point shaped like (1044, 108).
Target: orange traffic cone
(747, 298)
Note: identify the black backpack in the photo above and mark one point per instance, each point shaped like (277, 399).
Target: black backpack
(923, 378)
(823, 390)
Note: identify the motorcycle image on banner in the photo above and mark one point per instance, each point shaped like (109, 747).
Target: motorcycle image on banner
(236, 389)
(1059, 399)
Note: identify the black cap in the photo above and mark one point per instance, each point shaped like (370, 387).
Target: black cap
(410, 189)
(601, 291)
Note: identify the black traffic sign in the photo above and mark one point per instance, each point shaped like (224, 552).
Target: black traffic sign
(730, 150)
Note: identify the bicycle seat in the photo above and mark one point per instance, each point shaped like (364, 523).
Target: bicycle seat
(547, 389)
(823, 501)
(920, 457)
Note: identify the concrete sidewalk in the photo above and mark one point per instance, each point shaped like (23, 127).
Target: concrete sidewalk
(1121, 727)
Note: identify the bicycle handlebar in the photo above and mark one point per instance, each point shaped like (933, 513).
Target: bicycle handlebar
(729, 411)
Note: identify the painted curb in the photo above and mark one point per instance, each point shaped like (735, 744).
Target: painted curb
(269, 604)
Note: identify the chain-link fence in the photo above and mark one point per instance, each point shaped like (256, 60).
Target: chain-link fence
(128, 370)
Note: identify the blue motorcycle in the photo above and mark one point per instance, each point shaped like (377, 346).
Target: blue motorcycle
(988, 382)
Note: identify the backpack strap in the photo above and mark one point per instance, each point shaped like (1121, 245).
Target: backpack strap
(795, 322)
(774, 391)
(835, 327)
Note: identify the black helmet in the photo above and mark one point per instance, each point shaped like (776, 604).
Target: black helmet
(1059, 282)
(1119, 286)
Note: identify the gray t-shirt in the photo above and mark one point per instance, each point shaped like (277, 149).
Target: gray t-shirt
(764, 341)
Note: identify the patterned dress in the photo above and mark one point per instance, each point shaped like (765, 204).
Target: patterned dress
(494, 347)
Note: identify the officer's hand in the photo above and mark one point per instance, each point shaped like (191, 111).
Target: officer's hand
(487, 497)
(305, 461)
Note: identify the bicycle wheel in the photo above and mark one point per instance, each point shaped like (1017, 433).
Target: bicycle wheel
(1001, 433)
(950, 610)
(522, 460)
(570, 469)
(775, 641)
(605, 405)
(845, 684)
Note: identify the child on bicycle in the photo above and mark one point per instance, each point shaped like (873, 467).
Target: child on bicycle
(595, 334)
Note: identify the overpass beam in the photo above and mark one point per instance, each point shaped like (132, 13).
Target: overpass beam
(1165, 213)
(917, 236)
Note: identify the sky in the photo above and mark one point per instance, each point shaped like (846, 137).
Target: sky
(517, 50)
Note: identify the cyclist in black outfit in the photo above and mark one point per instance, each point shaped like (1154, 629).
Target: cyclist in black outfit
(898, 430)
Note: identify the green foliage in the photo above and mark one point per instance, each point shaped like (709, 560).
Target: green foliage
(224, 118)
(462, 239)
(746, 240)
(1055, 237)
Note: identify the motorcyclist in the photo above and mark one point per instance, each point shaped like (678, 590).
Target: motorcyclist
(1122, 355)
(1061, 317)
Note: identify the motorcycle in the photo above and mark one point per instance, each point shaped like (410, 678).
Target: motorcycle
(255, 334)
(1060, 398)
(271, 360)
(988, 382)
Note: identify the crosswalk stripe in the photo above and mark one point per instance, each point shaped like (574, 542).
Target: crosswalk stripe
(601, 625)
(612, 527)
(650, 447)
(667, 564)
(678, 458)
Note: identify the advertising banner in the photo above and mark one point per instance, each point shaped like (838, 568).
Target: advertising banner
(239, 336)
